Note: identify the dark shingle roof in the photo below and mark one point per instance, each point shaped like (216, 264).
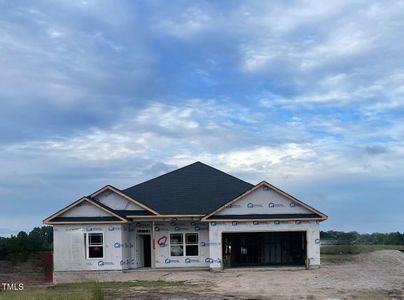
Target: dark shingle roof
(125, 213)
(193, 189)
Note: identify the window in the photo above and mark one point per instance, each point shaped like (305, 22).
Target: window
(191, 244)
(184, 244)
(176, 244)
(95, 245)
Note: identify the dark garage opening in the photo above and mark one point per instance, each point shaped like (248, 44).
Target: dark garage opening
(247, 249)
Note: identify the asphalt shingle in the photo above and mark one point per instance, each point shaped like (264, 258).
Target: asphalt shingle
(193, 189)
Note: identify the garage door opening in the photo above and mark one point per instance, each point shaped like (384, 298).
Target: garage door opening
(248, 249)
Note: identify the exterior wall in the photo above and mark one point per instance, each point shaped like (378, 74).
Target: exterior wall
(128, 246)
(123, 249)
(117, 202)
(85, 209)
(217, 228)
(162, 233)
(69, 247)
(264, 201)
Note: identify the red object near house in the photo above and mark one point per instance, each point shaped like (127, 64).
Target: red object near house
(46, 258)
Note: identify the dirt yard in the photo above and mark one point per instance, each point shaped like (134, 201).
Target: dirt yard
(375, 275)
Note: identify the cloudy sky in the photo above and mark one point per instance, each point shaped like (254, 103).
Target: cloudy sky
(308, 95)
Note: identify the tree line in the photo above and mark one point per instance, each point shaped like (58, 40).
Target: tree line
(41, 239)
(353, 237)
(20, 246)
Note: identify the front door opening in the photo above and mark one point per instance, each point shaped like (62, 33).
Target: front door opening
(147, 250)
(246, 249)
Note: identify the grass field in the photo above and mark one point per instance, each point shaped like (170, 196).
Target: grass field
(80, 291)
(356, 249)
(344, 253)
(330, 254)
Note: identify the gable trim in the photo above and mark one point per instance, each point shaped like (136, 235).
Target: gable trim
(111, 212)
(86, 222)
(117, 191)
(259, 185)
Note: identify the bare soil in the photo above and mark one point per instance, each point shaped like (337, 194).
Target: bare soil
(375, 275)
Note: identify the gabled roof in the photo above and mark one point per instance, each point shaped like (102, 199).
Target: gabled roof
(113, 218)
(320, 215)
(194, 189)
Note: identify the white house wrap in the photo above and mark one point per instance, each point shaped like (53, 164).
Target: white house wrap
(196, 216)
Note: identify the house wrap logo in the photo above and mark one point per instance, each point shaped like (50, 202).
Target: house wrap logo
(171, 261)
(102, 263)
(70, 229)
(93, 229)
(233, 206)
(252, 205)
(211, 260)
(193, 223)
(112, 228)
(273, 205)
(294, 204)
(190, 260)
(204, 244)
(159, 228)
(178, 228)
(123, 245)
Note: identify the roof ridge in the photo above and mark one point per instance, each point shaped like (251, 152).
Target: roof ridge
(226, 173)
(194, 163)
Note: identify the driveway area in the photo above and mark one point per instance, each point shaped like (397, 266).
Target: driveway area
(376, 275)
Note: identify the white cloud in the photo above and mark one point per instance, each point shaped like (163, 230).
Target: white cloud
(185, 25)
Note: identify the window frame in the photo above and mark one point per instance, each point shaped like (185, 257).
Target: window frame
(88, 245)
(184, 244)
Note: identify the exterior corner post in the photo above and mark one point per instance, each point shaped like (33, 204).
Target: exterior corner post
(153, 260)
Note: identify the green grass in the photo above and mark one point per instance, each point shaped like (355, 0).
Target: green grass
(80, 291)
(346, 253)
(356, 249)
(116, 284)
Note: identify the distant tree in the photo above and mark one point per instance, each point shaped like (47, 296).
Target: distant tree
(18, 247)
(353, 237)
